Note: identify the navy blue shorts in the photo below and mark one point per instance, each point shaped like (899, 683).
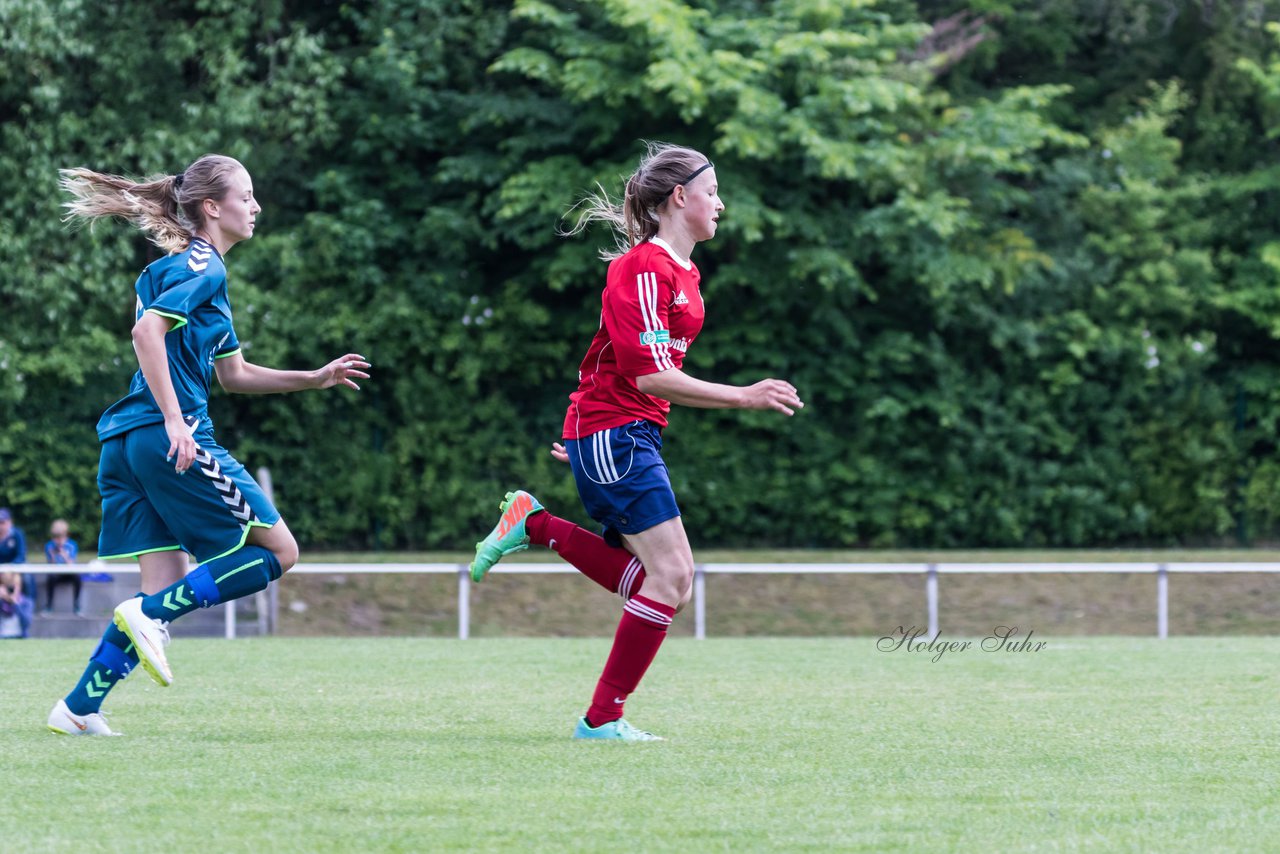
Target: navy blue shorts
(622, 480)
(149, 507)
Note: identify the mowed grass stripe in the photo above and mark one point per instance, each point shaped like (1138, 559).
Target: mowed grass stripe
(775, 744)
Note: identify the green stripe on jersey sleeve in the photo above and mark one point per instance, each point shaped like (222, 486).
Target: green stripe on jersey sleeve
(181, 321)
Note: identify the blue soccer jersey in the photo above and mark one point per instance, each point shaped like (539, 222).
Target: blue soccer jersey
(191, 289)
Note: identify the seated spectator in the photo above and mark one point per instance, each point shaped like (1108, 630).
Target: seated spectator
(12, 605)
(13, 549)
(61, 549)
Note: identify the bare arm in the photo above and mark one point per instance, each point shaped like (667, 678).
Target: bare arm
(241, 377)
(153, 359)
(678, 387)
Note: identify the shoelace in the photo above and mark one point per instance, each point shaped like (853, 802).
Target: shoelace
(103, 717)
(164, 631)
(629, 729)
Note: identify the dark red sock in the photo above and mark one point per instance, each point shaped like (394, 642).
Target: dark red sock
(641, 631)
(616, 570)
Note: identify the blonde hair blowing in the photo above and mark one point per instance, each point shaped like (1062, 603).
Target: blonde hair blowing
(166, 207)
(635, 218)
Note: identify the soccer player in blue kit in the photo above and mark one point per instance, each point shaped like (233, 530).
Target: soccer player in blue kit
(168, 488)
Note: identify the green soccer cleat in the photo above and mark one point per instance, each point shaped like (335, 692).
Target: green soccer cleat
(618, 730)
(508, 536)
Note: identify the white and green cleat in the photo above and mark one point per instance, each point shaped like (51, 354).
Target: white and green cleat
(149, 638)
(618, 730)
(63, 721)
(508, 536)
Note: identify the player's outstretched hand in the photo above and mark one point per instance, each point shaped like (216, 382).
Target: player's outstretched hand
(778, 395)
(558, 451)
(341, 371)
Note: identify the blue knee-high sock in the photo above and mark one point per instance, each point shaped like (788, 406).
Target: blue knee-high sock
(110, 663)
(246, 570)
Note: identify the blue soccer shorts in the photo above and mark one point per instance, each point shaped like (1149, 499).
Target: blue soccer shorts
(622, 480)
(148, 507)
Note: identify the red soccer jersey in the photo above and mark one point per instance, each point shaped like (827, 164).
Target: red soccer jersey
(651, 310)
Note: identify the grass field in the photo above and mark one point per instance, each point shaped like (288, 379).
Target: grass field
(411, 744)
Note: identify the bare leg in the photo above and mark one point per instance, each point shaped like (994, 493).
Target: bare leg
(278, 540)
(160, 569)
(664, 550)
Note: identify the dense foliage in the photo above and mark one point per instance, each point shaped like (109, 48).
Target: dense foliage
(1020, 257)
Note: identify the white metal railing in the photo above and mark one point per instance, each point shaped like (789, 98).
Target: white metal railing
(930, 571)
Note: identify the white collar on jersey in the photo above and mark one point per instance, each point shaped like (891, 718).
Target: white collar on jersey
(658, 241)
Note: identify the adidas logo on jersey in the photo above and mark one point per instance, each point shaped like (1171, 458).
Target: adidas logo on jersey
(681, 299)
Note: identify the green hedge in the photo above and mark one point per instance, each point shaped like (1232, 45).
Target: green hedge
(1027, 284)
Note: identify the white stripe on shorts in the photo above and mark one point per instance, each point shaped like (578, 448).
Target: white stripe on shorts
(603, 448)
(608, 456)
(597, 451)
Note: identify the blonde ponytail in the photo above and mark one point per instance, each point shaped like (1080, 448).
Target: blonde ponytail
(165, 207)
(635, 218)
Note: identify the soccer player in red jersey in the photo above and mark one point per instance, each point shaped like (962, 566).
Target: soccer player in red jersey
(652, 311)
